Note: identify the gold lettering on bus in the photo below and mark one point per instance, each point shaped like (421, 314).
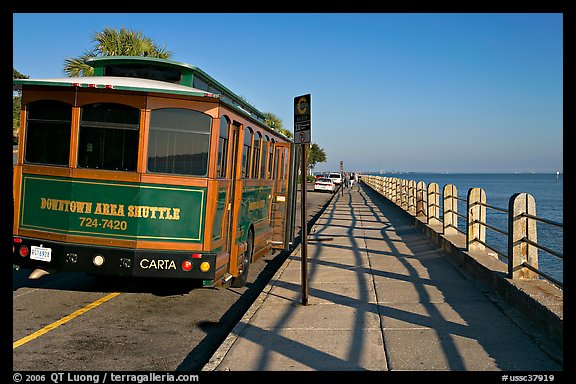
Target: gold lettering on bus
(147, 212)
(110, 209)
(65, 205)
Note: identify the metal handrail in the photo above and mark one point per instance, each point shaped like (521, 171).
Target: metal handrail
(499, 230)
(543, 274)
(493, 207)
(491, 247)
(542, 247)
(543, 220)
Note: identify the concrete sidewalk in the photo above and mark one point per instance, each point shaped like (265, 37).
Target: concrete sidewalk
(381, 297)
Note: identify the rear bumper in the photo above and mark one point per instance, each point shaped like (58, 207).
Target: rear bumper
(116, 261)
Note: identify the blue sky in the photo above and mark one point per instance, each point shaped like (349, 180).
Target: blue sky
(429, 92)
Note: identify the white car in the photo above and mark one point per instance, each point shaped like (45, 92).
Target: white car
(335, 177)
(324, 184)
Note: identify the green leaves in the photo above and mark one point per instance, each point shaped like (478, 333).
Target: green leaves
(112, 42)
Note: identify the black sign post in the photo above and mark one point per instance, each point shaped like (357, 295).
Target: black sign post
(302, 136)
(302, 119)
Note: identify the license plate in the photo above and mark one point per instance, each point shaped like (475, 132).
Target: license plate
(40, 253)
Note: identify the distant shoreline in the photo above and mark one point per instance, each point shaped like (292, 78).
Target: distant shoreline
(462, 173)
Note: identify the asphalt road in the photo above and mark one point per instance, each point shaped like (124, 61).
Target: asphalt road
(96, 324)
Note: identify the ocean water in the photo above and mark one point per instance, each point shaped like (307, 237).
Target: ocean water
(547, 190)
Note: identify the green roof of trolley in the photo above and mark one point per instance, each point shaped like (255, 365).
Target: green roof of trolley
(189, 74)
(119, 83)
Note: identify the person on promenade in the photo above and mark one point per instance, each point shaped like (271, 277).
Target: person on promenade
(356, 180)
(351, 180)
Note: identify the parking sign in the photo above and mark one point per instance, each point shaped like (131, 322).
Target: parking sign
(302, 125)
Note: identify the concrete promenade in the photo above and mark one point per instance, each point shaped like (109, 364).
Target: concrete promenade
(381, 297)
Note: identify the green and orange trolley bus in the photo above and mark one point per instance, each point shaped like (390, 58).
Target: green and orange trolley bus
(148, 168)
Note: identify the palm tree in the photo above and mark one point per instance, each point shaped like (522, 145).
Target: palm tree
(314, 155)
(276, 123)
(111, 42)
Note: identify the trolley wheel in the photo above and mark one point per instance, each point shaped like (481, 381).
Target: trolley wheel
(240, 280)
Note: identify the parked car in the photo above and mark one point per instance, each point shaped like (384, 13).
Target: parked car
(335, 177)
(324, 184)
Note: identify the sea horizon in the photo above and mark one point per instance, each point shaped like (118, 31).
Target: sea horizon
(462, 173)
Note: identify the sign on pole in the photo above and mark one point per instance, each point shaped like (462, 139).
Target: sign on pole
(302, 121)
(302, 136)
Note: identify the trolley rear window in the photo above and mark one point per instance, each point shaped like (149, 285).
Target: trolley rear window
(171, 75)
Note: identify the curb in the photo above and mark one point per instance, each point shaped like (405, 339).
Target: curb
(222, 351)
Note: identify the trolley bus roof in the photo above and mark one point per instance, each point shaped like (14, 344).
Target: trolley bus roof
(118, 83)
(132, 84)
(180, 73)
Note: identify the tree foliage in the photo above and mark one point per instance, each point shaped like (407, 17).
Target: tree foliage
(16, 103)
(18, 75)
(275, 123)
(112, 42)
(315, 155)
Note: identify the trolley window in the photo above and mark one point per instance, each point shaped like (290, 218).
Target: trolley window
(271, 159)
(256, 155)
(48, 132)
(263, 168)
(222, 148)
(247, 152)
(171, 75)
(108, 137)
(179, 141)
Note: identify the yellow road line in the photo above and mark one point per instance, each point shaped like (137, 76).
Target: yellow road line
(64, 320)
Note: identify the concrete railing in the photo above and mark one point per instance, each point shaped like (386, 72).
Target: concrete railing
(423, 202)
(514, 275)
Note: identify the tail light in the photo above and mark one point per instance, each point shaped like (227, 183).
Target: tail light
(23, 251)
(186, 265)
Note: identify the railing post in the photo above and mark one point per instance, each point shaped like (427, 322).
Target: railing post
(386, 192)
(450, 203)
(412, 197)
(404, 194)
(397, 191)
(521, 227)
(421, 201)
(476, 216)
(433, 204)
